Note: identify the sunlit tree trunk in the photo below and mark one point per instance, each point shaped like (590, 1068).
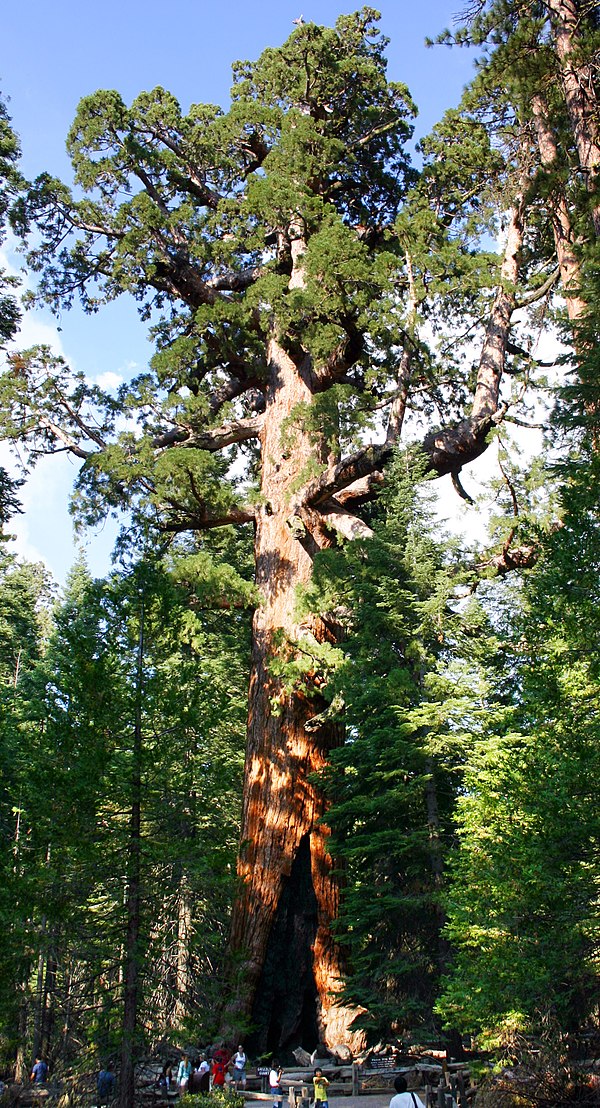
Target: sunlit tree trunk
(284, 847)
(578, 79)
(183, 976)
(568, 262)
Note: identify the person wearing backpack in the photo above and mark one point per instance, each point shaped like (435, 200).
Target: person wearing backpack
(402, 1099)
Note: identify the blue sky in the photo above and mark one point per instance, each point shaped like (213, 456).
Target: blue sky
(55, 53)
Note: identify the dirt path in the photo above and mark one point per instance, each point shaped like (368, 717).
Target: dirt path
(376, 1100)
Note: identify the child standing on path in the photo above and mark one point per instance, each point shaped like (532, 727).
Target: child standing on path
(320, 1084)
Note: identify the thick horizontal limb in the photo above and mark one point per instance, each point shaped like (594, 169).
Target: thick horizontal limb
(239, 430)
(202, 521)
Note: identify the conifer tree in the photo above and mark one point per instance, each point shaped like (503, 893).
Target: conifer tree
(25, 596)
(126, 824)
(10, 181)
(393, 783)
(539, 59)
(522, 903)
(286, 253)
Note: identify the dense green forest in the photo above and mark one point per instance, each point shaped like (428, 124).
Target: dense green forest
(303, 767)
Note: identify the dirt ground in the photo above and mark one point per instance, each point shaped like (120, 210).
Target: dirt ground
(376, 1100)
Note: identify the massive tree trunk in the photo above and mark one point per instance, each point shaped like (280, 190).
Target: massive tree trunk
(290, 963)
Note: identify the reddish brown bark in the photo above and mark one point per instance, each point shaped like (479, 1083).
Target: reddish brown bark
(568, 262)
(282, 805)
(564, 239)
(580, 96)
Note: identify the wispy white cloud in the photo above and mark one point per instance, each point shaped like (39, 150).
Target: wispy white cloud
(108, 380)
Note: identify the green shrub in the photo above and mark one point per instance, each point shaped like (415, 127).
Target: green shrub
(217, 1098)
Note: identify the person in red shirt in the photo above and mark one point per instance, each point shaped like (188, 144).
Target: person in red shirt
(219, 1067)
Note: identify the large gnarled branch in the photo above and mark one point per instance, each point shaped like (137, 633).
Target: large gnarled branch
(449, 448)
(238, 430)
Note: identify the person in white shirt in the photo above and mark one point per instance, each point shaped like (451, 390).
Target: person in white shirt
(239, 1067)
(274, 1083)
(402, 1099)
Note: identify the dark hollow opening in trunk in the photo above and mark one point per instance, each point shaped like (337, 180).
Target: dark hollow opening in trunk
(284, 1014)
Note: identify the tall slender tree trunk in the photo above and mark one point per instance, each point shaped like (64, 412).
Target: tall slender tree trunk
(49, 998)
(21, 1068)
(133, 900)
(183, 974)
(66, 1023)
(40, 993)
(36, 1047)
(564, 239)
(578, 80)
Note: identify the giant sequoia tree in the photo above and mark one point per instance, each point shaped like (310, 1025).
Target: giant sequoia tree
(284, 251)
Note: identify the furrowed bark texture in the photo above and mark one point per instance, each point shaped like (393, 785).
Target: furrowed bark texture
(288, 897)
(570, 270)
(579, 89)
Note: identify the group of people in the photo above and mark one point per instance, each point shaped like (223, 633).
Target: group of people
(402, 1099)
(221, 1070)
(320, 1084)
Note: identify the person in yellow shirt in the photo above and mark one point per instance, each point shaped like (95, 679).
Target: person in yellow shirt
(320, 1084)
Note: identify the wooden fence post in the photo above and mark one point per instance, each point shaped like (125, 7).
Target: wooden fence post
(355, 1079)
